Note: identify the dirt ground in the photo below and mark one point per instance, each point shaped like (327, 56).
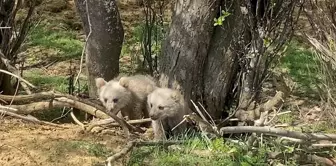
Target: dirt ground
(22, 143)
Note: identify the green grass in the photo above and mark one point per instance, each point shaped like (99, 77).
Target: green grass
(302, 66)
(45, 82)
(197, 151)
(63, 41)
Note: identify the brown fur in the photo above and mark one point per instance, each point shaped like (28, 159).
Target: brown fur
(127, 94)
(166, 108)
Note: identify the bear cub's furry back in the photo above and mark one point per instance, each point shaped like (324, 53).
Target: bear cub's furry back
(127, 94)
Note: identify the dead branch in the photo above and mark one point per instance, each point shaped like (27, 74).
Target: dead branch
(91, 109)
(30, 119)
(203, 125)
(277, 132)
(62, 100)
(306, 158)
(57, 103)
(75, 119)
(130, 145)
(18, 77)
(33, 97)
(86, 42)
(110, 123)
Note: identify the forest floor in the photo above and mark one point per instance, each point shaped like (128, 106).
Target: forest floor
(53, 52)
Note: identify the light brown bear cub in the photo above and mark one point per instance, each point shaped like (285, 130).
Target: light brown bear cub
(126, 94)
(166, 109)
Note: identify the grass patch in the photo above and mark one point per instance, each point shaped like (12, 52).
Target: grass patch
(197, 151)
(303, 68)
(63, 41)
(45, 82)
(287, 118)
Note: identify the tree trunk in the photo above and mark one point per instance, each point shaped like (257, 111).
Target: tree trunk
(105, 37)
(222, 65)
(201, 57)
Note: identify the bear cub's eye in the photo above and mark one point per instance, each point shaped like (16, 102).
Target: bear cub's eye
(115, 100)
(160, 108)
(105, 100)
(151, 105)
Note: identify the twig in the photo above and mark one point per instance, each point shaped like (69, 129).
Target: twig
(204, 126)
(213, 122)
(75, 119)
(8, 109)
(277, 132)
(18, 77)
(198, 110)
(30, 119)
(110, 123)
(130, 145)
(85, 45)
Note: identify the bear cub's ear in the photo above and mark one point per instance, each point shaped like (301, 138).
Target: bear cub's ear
(100, 82)
(176, 96)
(124, 82)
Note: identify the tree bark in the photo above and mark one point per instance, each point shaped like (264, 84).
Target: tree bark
(222, 65)
(201, 57)
(186, 47)
(105, 37)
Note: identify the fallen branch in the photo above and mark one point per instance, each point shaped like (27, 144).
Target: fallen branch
(130, 145)
(75, 119)
(307, 158)
(32, 97)
(48, 105)
(31, 119)
(63, 100)
(277, 132)
(18, 77)
(110, 123)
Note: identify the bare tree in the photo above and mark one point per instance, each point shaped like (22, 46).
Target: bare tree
(12, 36)
(105, 35)
(226, 64)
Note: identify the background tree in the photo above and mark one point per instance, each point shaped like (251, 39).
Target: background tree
(226, 64)
(13, 32)
(105, 35)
